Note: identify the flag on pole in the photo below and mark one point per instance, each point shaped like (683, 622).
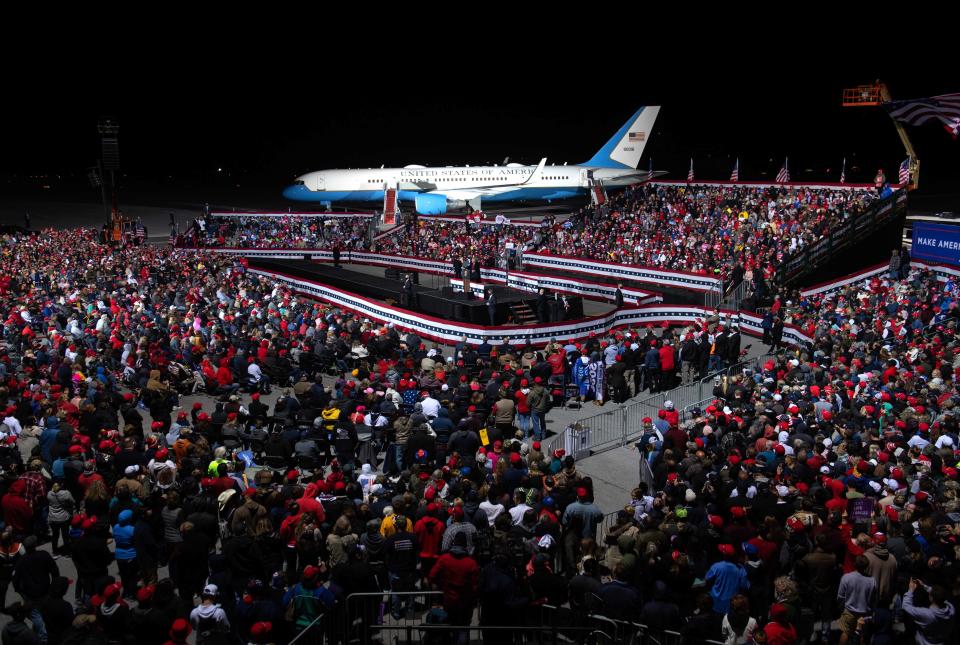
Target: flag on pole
(905, 172)
(650, 172)
(783, 176)
(843, 171)
(944, 108)
(735, 175)
(690, 173)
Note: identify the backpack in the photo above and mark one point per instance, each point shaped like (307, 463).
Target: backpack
(304, 607)
(210, 632)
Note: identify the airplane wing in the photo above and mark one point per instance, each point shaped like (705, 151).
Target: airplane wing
(419, 186)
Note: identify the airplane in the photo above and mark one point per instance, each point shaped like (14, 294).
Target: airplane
(436, 190)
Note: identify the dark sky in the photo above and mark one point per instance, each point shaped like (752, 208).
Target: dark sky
(265, 119)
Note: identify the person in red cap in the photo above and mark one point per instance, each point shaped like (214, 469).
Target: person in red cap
(428, 531)
(728, 578)
(261, 633)
(586, 510)
(883, 568)
(456, 574)
(113, 614)
(779, 631)
(180, 631)
(309, 597)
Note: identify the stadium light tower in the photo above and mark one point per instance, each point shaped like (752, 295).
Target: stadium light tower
(110, 152)
(876, 95)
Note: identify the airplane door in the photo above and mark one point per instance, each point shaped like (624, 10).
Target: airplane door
(585, 177)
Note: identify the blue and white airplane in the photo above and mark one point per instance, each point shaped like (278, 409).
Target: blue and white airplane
(433, 191)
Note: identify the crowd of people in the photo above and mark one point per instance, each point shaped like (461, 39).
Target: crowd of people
(822, 486)
(722, 230)
(733, 232)
(288, 232)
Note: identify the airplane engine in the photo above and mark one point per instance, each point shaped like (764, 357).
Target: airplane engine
(429, 204)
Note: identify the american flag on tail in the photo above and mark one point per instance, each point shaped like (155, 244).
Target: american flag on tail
(735, 175)
(944, 108)
(843, 171)
(905, 171)
(690, 172)
(784, 175)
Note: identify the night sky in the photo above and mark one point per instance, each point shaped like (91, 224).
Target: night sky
(261, 126)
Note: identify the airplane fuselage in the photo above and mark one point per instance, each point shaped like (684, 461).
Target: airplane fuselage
(490, 183)
(433, 190)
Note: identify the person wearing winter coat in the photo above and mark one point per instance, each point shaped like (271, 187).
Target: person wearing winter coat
(17, 632)
(17, 512)
(91, 557)
(935, 622)
(457, 574)
(60, 511)
(125, 551)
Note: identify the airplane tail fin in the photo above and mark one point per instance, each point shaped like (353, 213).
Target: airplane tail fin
(623, 150)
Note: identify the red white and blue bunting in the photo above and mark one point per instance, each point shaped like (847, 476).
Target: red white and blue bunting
(942, 272)
(660, 277)
(444, 331)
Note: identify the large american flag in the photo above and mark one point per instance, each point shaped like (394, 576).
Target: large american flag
(735, 175)
(843, 171)
(784, 175)
(690, 172)
(905, 171)
(944, 108)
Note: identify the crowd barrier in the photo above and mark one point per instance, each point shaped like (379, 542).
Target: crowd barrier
(620, 425)
(942, 272)
(533, 282)
(280, 214)
(522, 280)
(444, 331)
(660, 277)
(664, 278)
(847, 233)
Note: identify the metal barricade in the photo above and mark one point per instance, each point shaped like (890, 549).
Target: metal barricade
(605, 429)
(618, 426)
(505, 634)
(363, 615)
(313, 634)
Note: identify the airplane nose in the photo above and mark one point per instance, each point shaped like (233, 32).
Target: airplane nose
(296, 192)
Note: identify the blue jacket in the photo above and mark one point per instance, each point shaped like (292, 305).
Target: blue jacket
(123, 536)
(651, 360)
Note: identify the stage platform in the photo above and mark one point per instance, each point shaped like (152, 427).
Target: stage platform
(441, 302)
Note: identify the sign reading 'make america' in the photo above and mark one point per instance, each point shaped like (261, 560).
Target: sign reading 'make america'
(936, 242)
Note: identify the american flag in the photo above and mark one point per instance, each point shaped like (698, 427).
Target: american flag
(784, 175)
(690, 173)
(735, 175)
(944, 108)
(650, 171)
(905, 171)
(843, 171)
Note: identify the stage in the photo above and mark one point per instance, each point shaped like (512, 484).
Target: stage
(440, 302)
